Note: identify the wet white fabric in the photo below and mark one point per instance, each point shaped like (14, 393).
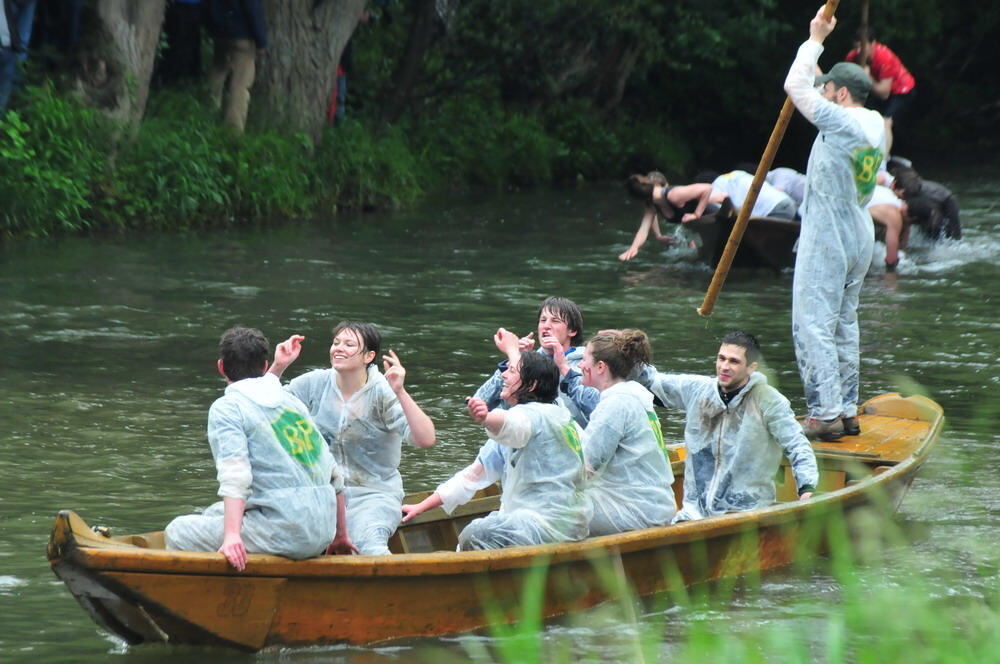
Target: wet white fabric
(835, 243)
(884, 196)
(268, 452)
(734, 450)
(365, 434)
(736, 185)
(542, 500)
(629, 477)
(489, 467)
(490, 390)
(789, 181)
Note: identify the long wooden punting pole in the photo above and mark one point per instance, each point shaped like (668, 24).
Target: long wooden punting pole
(736, 235)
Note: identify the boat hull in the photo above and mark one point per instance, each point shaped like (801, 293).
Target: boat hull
(767, 242)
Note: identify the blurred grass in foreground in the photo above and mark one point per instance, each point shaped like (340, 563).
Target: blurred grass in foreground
(870, 597)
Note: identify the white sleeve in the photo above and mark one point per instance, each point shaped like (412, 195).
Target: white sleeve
(230, 450)
(800, 84)
(516, 430)
(484, 471)
(234, 477)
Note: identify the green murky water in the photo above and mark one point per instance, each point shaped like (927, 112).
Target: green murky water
(107, 349)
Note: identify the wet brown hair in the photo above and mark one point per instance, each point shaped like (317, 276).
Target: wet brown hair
(621, 351)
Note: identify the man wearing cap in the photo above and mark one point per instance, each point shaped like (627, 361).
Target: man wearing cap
(837, 236)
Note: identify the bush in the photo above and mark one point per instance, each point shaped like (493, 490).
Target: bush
(50, 157)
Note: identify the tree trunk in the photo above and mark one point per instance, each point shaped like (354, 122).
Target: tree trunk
(411, 65)
(306, 39)
(117, 54)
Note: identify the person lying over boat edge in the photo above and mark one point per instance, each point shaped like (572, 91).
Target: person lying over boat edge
(677, 204)
(282, 491)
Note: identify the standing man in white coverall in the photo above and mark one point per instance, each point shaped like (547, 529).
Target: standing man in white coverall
(837, 236)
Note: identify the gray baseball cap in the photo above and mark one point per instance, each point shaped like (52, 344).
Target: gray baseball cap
(851, 76)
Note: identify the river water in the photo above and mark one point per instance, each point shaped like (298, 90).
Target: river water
(108, 349)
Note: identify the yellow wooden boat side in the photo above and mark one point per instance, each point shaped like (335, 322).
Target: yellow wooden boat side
(133, 587)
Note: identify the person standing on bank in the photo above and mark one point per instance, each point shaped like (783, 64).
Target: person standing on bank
(239, 31)
(892, 82)
(837, 236)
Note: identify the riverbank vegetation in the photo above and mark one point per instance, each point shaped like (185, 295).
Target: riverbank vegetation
(444, 96)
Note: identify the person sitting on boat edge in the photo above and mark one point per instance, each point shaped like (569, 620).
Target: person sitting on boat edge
(535, 450)
(736, 428)
(678, 204)
(559, 323)
(281, 489)
(364, 417)
(629, 478)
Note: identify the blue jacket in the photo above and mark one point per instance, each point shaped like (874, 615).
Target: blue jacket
(237, 19)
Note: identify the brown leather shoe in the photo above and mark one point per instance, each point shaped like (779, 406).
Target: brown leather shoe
(818, 429)
(851, 426)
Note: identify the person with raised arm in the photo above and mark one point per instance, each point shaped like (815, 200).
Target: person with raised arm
(364, 417)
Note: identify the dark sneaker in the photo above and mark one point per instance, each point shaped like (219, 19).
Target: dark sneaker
(815, 429)
(851, 426)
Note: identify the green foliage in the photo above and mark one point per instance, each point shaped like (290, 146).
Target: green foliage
(50, 156)
(358, 166)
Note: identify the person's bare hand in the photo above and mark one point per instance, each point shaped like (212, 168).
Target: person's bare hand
(234, 551)
(506, 341)
(288, 350)
(410, 511)
(628, 254)
(341, 546)
(821, 27)
(478, 409)
(395, 373)
(526, 343)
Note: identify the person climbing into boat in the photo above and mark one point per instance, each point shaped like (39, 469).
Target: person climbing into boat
(771, 201)
(934, 208)
(535, 450)
(736, 429)
(281, 489)
(650, 219)
(889, 212)
(837, 235)
(559, 323)
(364, 417)
(677, 204)
(628, 471)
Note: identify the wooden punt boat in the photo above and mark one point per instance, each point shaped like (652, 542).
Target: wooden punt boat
(134, 588)
(767, 242)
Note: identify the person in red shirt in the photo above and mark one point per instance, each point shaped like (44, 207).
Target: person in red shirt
(892, 83)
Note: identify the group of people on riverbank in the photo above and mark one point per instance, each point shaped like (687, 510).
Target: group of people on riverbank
(311, 467)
